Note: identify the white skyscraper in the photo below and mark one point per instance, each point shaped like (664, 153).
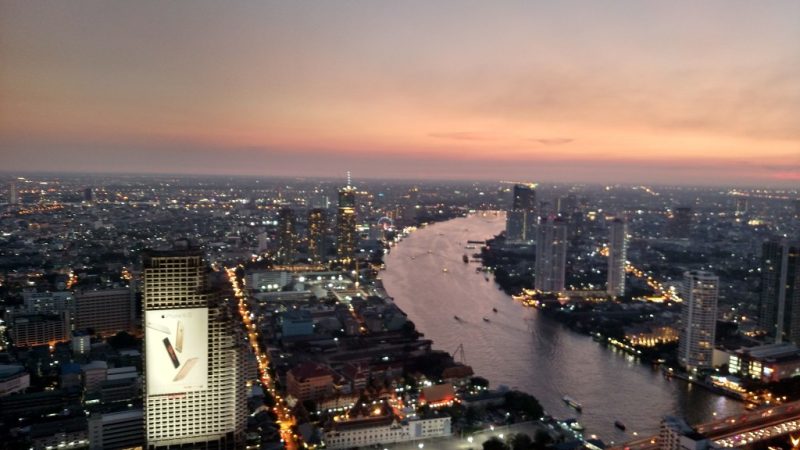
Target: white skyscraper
(698, 319)
(551, 255)
(195, 390)
(617, 255)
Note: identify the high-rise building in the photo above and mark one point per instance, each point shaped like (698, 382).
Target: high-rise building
(346, 236)
(521, 218)
(698, 319)
(551, 255)
(88, 195)
(316, 234)
(567, 205)
(287, 235)
(780, 290)
(13, 196)
(617, 256)
(195, 392)
(742, 205)
(680, 224)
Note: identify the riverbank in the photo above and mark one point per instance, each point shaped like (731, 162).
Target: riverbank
(521, 348)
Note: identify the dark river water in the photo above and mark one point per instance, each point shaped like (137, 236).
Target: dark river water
(525, 350)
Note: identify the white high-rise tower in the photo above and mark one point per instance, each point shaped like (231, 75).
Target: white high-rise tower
(195, 391)
(617, 256)
(698, 319)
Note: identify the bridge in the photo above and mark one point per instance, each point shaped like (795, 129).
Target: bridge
(739, 430)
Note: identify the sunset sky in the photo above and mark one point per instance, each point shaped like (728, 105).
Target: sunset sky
(676, 92)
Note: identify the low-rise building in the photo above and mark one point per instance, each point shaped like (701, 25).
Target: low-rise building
(30, 330)
(676, 434)
(767, 363)
(309, 381)
(362, 432)
(124, 429)
(297, 322)
(13, 379)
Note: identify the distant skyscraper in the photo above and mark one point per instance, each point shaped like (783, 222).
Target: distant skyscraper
(195, 391)
(617, 255)
(780, 290)
(680, 225)
(742, 204)
(346, 236)
(287, 235)
(521, 218)
(551, 255)
(567, 205)
(88, 195)
(698, 319)
(316, 234)
(13, 196)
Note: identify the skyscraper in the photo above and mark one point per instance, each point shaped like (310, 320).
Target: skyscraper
(551, 255)
(617, 255)
(195, 391)
(521, 218)
(780, 290)
(698, 319)
(13, 196)
(316, 234)
(287, 235)
(346, 237)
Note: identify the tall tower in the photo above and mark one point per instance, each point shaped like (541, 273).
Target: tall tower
(195, 391)
(287, 235)
(698, 319)
(316, 234)
(13, 196)
(551, 255)
(346, 237)
(617, 255)
(521, 218)
(780, 290)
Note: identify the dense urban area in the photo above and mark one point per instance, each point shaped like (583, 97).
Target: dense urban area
(165, 312)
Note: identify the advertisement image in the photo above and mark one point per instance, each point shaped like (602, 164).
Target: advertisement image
(176, 345)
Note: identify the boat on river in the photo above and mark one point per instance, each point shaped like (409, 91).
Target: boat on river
(465, 258)
(619, 425)
(485, 319)
(573, 403)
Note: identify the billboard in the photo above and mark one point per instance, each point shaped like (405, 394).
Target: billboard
(176, 350)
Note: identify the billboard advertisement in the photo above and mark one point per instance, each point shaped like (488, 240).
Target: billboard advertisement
(176, 350)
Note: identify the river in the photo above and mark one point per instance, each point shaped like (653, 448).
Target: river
(520, 348)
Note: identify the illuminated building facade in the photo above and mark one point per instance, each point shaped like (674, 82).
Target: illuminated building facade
(521, 218)
(551, 255)
(698, 320)
(617, 256)
(780, 291)
(187, 327)
(346, 235)
(316, 234)
(287, 235)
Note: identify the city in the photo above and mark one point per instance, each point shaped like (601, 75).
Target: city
(445, 225)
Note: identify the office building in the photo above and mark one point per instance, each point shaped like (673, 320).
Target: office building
(617, 256)
(698, 320)
(316, 235)
(122, 429)
(551, 255)
(30, 330)
(780, 290)
(521, 218)
(346, 235)
(287, 235)
(106, 311)
(195, 392)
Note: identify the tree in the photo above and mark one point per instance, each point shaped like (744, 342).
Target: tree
(479, 382)
(123, 340)
(541, 439)
(524, 403)
(495, 443)
(520, 441)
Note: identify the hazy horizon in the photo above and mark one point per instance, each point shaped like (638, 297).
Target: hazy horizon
(678, 93)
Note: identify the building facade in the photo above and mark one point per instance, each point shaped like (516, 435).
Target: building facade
(521, 219)
(698, 320)
(287, 235)
(107, 311)
(551, 255)
(317, 224)
(195, 391)
(346, 235)
(780, 291)
(617, 257)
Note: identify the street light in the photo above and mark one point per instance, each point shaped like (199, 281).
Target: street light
(421, 445)
(469, 439)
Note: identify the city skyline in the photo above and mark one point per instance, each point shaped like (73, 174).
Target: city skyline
(628, 93)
